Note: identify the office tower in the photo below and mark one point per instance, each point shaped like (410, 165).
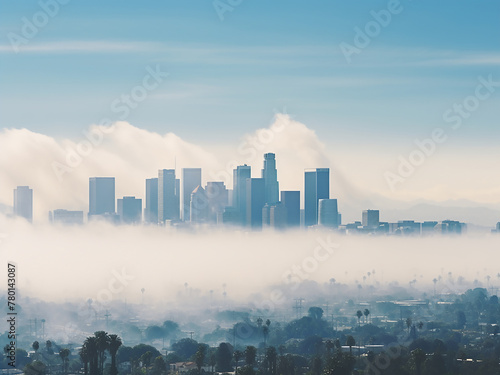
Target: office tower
(371, 218)
(328, 215)
(66, 217)
(151, 209)
(266, 215)
(191, 178)
(168, 195)
(198, 206)
(317, 186)
(101, 196)
(278, 216)
(23, 202)
(130, 210)
(256, 199)
(270, 176)
(291, 201)
(218, 198)
(240, 176)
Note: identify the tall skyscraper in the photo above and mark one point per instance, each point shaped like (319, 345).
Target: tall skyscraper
(168, 195)
(240, 176)
(101, 196)
(199, 205)
(328, 213)
(130, 210)
(218, 198)
(256, 199)
(23, 202)
(191, 178)
(291, 201)
(316, 187)
(270, 176)
(151, 209)
(371, 218)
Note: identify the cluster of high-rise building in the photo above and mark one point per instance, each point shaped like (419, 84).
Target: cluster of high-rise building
(253, 202)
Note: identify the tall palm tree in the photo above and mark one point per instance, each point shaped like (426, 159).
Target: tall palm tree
(359, 314)
(36, 346)
(114, 344)
(91, 347)
(366, 313)
(85, 359)
(102, 344)
(64, 354)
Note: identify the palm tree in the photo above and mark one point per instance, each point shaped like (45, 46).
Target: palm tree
(329, 345)
(237, 356)
(359, 314)
(90, 345)
(64, 354)
(102, 344)
(114, 344)
(35, 346)
(48, 345)
(265, 333)
(366, 313)
(434, 280)
(85, 359)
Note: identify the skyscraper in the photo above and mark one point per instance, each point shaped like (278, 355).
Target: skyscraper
(218, 199)
(130, 210)
(270, 176)
(198, 205)
(316, 187)
(291, 201)
(371, 218)
(240, 176)
(23, 202)
(256, 199)
(191, 178)
(101, 196)
(151, 209)
(168, 197)
(328, 213)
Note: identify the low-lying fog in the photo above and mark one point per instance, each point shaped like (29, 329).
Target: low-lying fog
(100, 261)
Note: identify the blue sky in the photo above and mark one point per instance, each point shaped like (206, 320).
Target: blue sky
(228, 77)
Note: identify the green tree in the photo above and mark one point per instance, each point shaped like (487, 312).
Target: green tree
(350, 342)
(223, 357)
(315, 312)
(199, 357)
(237, 356)
(418, 356)
(250, 355)
(271, 357)
(35, 368)
(159, 366)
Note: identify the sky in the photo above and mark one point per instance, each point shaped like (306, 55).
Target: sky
(230, 70)
(363, 85)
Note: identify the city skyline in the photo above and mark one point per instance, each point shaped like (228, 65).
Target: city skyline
(252, 203)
